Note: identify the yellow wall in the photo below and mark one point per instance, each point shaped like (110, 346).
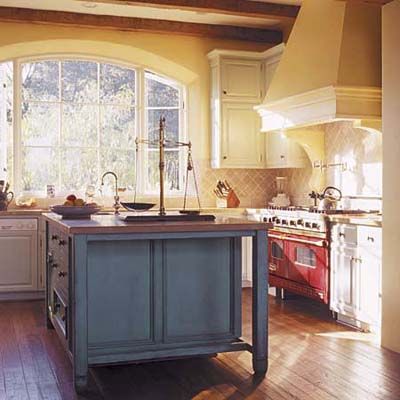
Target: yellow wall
(180, 57)
(391, 186)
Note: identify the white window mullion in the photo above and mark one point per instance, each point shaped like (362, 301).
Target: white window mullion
(60, 127)
(17, 115)
(99, 172)
(141, 131)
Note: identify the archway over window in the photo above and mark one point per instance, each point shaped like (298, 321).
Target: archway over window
(74, 117)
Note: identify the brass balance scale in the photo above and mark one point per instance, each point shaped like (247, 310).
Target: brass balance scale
(184, 214)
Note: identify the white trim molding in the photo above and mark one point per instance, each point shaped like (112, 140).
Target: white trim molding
(322, 105)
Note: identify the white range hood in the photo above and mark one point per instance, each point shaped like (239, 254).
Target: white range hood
(331, 67)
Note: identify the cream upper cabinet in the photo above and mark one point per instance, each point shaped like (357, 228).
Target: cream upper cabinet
(241, 80)
(237, 82)
(282, 152)
(241, 144)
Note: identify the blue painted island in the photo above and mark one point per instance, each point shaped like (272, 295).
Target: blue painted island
(121, 292)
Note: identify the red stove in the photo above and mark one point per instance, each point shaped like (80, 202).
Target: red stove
(298, 259)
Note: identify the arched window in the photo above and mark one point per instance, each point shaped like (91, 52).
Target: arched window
(67, 120)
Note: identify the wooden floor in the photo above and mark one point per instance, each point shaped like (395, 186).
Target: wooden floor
(311, 357)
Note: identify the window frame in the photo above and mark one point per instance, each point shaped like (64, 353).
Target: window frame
(140, 107)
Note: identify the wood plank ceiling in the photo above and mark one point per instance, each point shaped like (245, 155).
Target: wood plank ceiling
(256, 21)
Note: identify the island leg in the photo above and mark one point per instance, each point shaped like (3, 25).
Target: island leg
(260, 303)
(80, 317)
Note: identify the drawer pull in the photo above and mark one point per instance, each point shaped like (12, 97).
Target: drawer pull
(341, 234)
(54, 237)
(371, 239)
(62, 274)
(61, 242)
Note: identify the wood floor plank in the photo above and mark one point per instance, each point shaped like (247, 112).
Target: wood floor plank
(311, 358)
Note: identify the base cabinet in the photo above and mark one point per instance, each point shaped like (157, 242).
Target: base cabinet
(356, 275)
(21, 273)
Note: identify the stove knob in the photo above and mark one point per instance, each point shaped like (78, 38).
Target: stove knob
(277, 221)
(300, 222)
(315, 225)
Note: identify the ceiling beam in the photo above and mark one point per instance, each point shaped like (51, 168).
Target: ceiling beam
(242, 8)
(26, 15)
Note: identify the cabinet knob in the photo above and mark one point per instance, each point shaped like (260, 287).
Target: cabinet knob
(224, 92)
(341, 234)
(54, 237)
(371, 239)
(54, 265)
(62, 274)
(224, 157)
(61, 242)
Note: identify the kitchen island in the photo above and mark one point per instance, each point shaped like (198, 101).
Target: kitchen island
(121, 292)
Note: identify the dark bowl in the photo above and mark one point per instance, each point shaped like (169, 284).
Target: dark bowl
(137, 206)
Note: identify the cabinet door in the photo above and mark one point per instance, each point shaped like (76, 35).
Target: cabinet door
(18, 266)
(282, 152)
(241, 80)
(344, 280)
(370, 254)
(277, 150)
(242, 141)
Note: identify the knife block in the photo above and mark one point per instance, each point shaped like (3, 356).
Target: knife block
(230, 201)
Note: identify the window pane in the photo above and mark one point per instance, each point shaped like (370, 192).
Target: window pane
(117, 126)
(171, 125)
(171, 170)
(117, 85)
(6, 132)
(122, 163)
(159, 93)
(79, 81)
(79, 125)
(40, 81)
(40, 124)
(39, 168)
(79, 168)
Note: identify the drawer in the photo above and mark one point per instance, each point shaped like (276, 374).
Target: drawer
(346, 234)
(370, 236)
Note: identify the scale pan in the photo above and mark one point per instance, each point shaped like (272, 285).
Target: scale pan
(137, 206)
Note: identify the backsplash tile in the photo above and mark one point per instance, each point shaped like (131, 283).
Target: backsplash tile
(361, 150)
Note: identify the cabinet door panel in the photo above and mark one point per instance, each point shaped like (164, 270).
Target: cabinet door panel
(241, 137)
(18, 266)
(370, 252)
(241, 79)
(118, 312)
(344, 275)
(282, 152)
(208, 277)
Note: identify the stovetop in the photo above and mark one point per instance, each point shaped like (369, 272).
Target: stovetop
(304, 219)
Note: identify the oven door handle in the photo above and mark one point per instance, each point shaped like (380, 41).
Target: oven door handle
(319, 243)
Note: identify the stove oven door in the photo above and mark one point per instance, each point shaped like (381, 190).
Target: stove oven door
(308, 261)
(277, 260)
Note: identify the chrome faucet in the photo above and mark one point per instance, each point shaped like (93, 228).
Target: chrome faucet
(117, 204)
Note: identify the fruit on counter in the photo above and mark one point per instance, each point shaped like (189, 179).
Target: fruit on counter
(73, 201)
(71, 197)
(79, 202)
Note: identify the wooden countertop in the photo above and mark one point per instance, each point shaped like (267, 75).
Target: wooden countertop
(373, 220)
(106, 224)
